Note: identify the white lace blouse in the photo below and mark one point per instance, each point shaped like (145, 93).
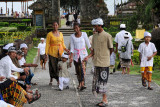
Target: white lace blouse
(78, 46)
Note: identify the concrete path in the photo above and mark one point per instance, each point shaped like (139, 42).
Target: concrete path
(123, 91)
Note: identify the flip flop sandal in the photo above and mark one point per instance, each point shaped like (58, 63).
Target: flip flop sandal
(98, 103)
(34, 83)
(103, 104)
(149, 88)
(35, 98)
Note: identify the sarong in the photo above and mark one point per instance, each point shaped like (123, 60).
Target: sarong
(13, 93)
(100, 79)
(80, 70)
(53, 67)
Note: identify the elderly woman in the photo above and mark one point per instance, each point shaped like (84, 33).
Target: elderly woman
(54, 49)
(79, 40)
(12, 92)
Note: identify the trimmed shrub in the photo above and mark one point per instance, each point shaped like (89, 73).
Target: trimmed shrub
(135, 57)
(28, 29)
(26, 20)
(8, 29)
(21, 27)
(4, 24)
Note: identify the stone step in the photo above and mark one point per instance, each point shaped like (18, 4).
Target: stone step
(66, 31)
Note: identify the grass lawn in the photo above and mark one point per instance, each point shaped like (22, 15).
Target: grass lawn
(135, 70)
(31, 55)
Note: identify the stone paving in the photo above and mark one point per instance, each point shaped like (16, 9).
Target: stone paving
(123, 91)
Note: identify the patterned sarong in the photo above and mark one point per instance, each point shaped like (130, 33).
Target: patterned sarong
(100, 78)
(13, 93)
(53, 67)
(80, 68)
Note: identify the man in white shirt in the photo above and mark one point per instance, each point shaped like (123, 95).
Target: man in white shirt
(6, 65)
(41, 53)
(23, 63)
(120, 36)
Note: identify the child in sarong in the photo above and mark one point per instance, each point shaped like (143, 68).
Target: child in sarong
(147, 51)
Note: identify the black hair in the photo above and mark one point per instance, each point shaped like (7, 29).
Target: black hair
(122, 28)
(55, 22)
(76, 24)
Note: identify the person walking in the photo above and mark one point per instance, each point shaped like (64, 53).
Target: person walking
(126, 48)
(102, 48)
(79, 41)
(41, 53)
(119, 38)
(147, 51)
(54, 49)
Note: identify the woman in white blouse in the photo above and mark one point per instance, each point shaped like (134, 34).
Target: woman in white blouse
(79, 41)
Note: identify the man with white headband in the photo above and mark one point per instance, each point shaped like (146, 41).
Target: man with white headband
(102, 47)
(147, 51)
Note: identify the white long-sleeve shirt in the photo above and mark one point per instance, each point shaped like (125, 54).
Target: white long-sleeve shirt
(6, 66)
(79, 44)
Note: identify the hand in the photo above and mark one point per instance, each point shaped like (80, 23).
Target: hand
(71, 59)
(26, 70)
(2, 78)
(149, 58)
(13, 79)
(85, 59)
(68, 51)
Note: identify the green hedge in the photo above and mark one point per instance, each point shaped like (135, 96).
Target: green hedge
(4, 24)
(8, 29)
(21, 27)
(26, 20)
(89, 32)
(28, 29)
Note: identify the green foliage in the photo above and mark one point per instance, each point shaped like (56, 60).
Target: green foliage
(113, 29)
(28, 29)
(13, 25)
(8, 29)
(157, 61)
(26, 20)
(21, 27)
(36, 41)
(4, 24)
(89, 32)
(135, 57)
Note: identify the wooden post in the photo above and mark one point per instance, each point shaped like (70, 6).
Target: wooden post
(25, 7)
(12, 7)
(21, 6)
(6, 7)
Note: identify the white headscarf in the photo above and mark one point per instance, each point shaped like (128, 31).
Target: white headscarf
(147, 34)
(65, 56)
(23, 45)
(7, 46)
(98, 21)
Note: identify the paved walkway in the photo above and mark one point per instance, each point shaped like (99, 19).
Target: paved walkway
(123, 91)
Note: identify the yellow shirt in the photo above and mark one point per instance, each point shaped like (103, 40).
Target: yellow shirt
(101, 43)
(53, 43)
